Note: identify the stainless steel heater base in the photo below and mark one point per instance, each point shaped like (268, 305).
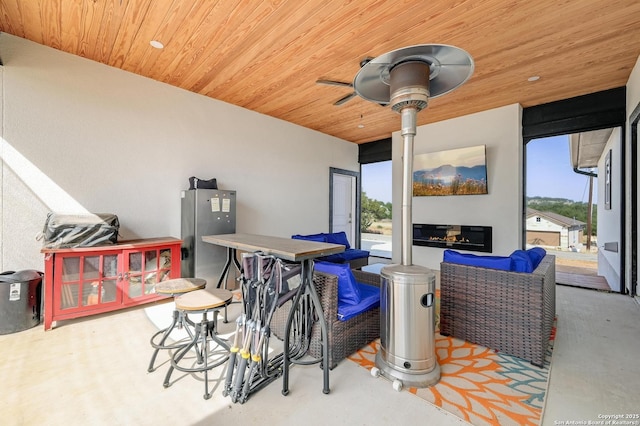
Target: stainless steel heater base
(407, 326)
(404, 378)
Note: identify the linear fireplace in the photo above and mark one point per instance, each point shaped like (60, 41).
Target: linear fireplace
(458, 237)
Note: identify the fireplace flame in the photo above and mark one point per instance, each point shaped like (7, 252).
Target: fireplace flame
(450, 239)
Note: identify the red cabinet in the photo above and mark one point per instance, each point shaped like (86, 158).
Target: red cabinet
(85, 281)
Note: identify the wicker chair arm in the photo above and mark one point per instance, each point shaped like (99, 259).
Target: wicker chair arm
(366, 277)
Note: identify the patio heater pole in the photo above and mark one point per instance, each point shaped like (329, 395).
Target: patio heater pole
(408, 132)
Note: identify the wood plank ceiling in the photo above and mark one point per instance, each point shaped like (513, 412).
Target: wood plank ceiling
(267, 55)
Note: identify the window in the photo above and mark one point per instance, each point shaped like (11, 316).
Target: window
(376, 209)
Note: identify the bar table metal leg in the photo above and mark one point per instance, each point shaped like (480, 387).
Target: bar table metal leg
(231, 258)
(306, 285)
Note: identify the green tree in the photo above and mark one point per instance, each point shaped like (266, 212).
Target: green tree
(372, 210)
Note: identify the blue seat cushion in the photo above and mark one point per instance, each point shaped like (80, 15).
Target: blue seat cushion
(370, 299)
(346, 256)
(536, 254)
(520, 261)
(319, 238)
(492, 262)
(338, 238)
(348, 291)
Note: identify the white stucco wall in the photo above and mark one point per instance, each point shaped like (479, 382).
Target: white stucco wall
(500, 130)
(79, 135)
(609, 220)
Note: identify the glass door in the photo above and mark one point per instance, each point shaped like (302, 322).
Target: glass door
(144, 269)
(87, 281)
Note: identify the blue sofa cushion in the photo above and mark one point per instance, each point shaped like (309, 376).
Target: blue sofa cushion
(319, 238)
(536, 254)
(346, 256)
(348, 291)
(338, 238)
(335, 238)
(370, 299)
(521, 262)
(492, 262)
(518, 261)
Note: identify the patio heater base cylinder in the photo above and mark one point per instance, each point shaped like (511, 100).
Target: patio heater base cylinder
(407, 326)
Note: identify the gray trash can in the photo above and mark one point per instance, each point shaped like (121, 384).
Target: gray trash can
(20, 300)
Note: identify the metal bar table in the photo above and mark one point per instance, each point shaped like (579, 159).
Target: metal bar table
(293, 250)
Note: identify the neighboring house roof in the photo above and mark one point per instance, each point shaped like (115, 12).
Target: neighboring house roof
(555, 218)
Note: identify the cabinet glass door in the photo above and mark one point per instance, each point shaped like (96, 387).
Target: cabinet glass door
(146, 268)
(87, 281)
(70, 286)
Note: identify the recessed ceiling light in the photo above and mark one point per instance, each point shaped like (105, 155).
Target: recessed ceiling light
(156, 44)
(361, 126)
(534, 78)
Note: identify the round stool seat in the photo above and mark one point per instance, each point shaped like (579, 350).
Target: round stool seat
(201, 300)
(180, 285)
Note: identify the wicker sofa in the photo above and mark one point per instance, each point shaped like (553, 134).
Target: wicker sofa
(511, 312)
(344, 337)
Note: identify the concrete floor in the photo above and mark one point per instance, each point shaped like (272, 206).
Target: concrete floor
(596, 359)
(93, 371)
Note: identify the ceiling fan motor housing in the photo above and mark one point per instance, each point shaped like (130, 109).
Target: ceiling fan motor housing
(409, 86)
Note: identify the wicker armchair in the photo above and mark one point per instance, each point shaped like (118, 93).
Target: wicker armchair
(511, 312)
(345, 337)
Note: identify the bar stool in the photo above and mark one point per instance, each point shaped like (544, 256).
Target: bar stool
(174, 288)
(202, 302)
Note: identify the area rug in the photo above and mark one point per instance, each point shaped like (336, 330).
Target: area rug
(480, 385)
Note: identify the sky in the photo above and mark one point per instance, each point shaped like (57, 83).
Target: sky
(376, 181)
(549, 174)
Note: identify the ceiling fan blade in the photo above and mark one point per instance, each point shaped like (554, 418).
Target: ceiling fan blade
(334, 83)
(344, 99)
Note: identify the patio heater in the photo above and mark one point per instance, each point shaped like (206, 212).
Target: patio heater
(405, 79)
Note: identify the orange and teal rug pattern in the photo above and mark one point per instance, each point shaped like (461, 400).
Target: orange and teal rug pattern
(480, 385)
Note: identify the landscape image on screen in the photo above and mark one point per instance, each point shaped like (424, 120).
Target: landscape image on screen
(460, 171)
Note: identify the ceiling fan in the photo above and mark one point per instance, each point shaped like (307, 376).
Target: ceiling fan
(353, 94)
